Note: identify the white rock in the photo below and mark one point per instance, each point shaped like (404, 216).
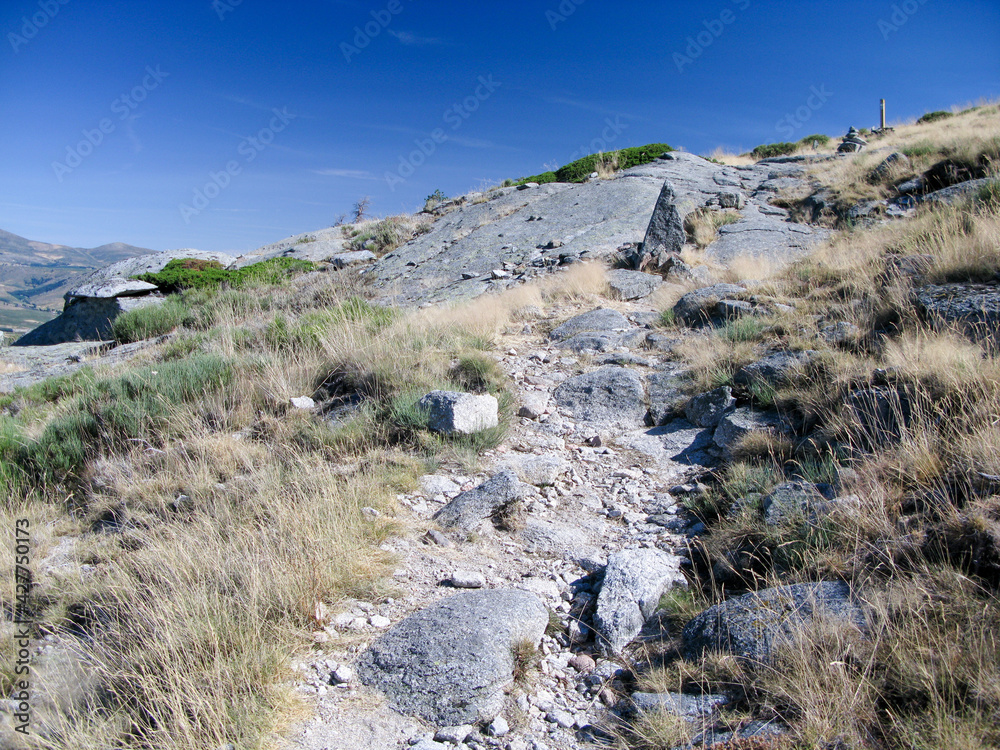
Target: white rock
(560, 718)
(460, 413)
(303, 402)
(467, 579)
(533, 405)
(498, 727)
(433, 485)
(343, 674)
(455, 735)
(378, 621)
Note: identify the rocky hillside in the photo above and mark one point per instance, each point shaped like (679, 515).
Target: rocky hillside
(691, 455)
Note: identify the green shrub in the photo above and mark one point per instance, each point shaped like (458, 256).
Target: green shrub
(54, 389)
(477, 373)
(934, 117)
(150, 321)
(923, 148)
(541, 179)
(819, 138)
(581, 169)
(770, 150)
(114, 412)
(190, 273)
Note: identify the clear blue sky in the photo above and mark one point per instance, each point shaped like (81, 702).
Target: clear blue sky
(173, 92)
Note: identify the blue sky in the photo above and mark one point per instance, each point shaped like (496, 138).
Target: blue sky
(226, 125)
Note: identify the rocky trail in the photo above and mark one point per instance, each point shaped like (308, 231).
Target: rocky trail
(598, 485)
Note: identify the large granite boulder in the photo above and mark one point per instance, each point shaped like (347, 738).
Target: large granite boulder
(708, 409)
(92, 306)
(763, 235)
(603, 321)
(754, 625)
(85, 319)
(631, 285)
(608, 395)
(538, 229)
(737, 424)
(451, 662)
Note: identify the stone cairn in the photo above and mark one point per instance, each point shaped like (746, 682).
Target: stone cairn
(852, 142)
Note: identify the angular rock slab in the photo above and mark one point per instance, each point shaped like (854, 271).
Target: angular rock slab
(471, 508)
(665, 234)
(601, 320)
(631, 285)
(608, 395)
(634, 581)
(666, 396)
(752, 626)
(689, 706)
(449, 663)
(454, 413)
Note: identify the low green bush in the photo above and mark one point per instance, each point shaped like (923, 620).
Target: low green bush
(541, 179)
(920, 149)
(192, 273)
(150, 321)
(818, 138)
(114, 412)
(770, 150)
(934, 117)
(581, 169)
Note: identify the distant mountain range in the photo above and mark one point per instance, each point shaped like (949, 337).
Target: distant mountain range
(34, 276)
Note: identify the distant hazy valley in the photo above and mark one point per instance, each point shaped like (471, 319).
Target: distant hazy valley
(34, 276)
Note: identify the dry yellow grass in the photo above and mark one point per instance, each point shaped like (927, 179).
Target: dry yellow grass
(606, 165)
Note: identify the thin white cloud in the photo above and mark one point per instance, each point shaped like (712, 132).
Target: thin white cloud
(351, 174)
(409, 38)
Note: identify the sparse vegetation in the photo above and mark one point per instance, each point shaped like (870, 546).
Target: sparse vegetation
(702, 226)
(770, 150)
(916, 538)
(191, 273)
(581, 169)
(934, 117)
